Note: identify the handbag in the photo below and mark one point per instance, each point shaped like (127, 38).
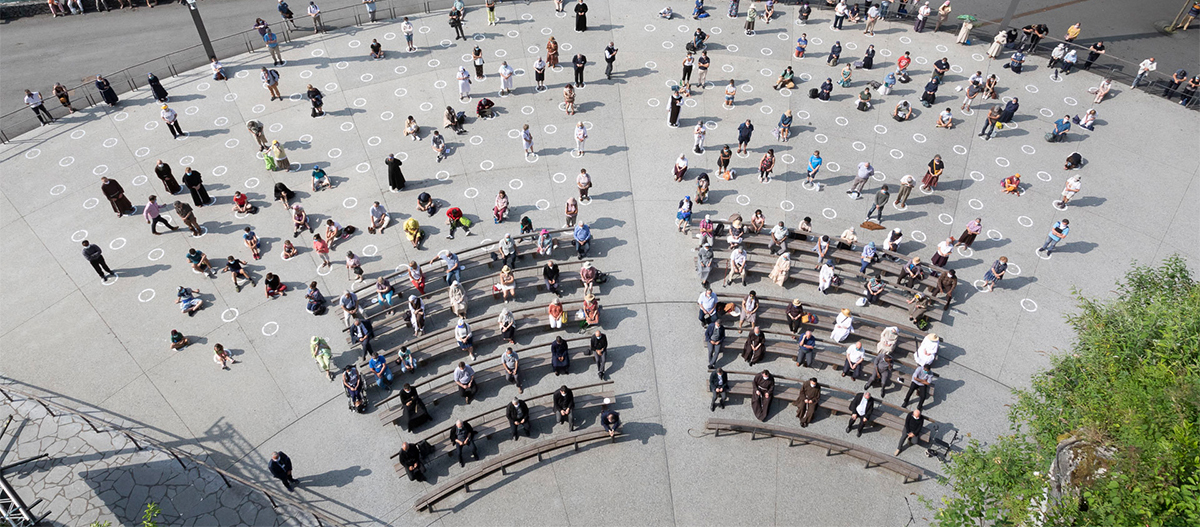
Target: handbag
(562, 317)
(806, 318)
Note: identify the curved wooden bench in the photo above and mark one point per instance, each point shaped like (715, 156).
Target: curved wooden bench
(490, 422)
(432, 394)
(502, 462)
(833, 399)
(910, 471)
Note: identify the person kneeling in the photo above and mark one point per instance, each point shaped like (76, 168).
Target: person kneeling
(903, 112)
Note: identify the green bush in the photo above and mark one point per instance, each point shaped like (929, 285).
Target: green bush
(1131, 383)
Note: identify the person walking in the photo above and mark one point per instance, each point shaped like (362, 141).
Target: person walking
(281, 468)
(255, 128)
(188, 217)
(714, 334)
(153, 218)
(270, 79)
(34, 101)
(865, 171)
(286, 14)
(170, 117)
(610, 56)
(95, 256)
(1056, 235)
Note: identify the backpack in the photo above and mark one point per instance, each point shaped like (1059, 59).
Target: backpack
(812, 93)
(922, 323)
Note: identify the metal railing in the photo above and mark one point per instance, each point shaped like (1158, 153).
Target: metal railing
(142, 441)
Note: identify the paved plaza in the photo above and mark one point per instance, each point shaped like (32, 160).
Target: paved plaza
(69, 334)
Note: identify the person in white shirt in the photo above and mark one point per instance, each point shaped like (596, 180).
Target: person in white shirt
(315, 13)
(172, 119)
(698, 133)
(1073, 186)
(928, 350)
(922, 16)
(855, 357)
(379, 218)
(506, 78)
(580, 136)
(843, 327)
(407, 28)
(34, 101)
(1144, 69)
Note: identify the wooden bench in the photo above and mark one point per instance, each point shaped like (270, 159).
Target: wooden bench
(490, 422)
(436, 388)
(910, 471)
(502, 462)
(833, 399)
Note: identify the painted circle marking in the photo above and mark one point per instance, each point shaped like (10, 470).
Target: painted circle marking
(1044, 176)
(1071, 101)
(841, 121)
(471, 192)
(477, 140)
(374, 140)
(557, 179)
(1025, 221)
(1031, 88)
(350, 202)
(140, 180)
(858, 145)
(833, 167)
(219, 171)
(78, 134)
(741, 201)
(920, 138)
(914, 234)
(110, 142)
(960, 150)
(370, 250)
(1028, 305)
(829, 213)
(100, 170)
(117, 244)
(251, 183)
(232, 143)
(487, 164)
(156, 251)
(975, 204)
(542, 204)
(946, 219)
(1003, 162)
(977, 175)
(896, 154)
(516, 184)
(57, 189)
(90, 203)
(228, 310)
(442, 176)
(821, 138)
(787, 206)
(77, 237)
(274, 328)
(362, 168)
(143, 298)
(334, 153)
(994, 235)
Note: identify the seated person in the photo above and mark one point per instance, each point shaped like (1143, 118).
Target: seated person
(316, 300)
(426, 204)
(698, 39)
(1012, 184)
(785, 79)
(289, 250)
(483, 108)
(1073, 161)
(380, 219)
(611, 420)
(453, 121)
(241, 203)
(1088, 121)
(319, 179)
(251, 240)
(376, 49)
(412, 231)
(864, 99)
(412, 129)
(945, 119)
(178, 341)
(199, 262)
(903, 111)
(188, 301)
(666, 13)
(698, 11)
(1016, 61)
(1061, 127)
(274, 286)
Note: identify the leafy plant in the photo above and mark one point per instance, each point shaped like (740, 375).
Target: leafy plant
(1130, 385)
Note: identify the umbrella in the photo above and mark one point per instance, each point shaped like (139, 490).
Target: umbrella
(970, 18)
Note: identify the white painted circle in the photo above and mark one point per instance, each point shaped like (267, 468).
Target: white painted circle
(711, 125)
(138, 180)
(527, 110)
(1044, 176)
(1071, 101)
(389, 36)
(347, 126)
(914, 234)
(649, 28)
(77, 237)
(683, 28)
(532, 50)
(667, 44)
(251, 183)
(691, 103)
(765, 72)
(829, 213)
(851, 46)
(896, 154)
(885, 52)
(732, 48)
(403, 156)
(979, 286)
(516, 184)
(90, 203)
(433, 63)
(374, 140)
(920, 138)
(879, 176)
(821, 138)
(960, 150)
(975, 204)
(275, 128)
(513, 34)
(400, 70)
(306, 74)
(439, 84)
(32, 153)
(1003, 162)
(274, 328)
(442, 176)
(152, 125)
(923, 191)
(841, 121)
(1031, 88)
(100, 170)
(651, 64)
(787, 159)
(727, 68)
(1014, 269)
(219, 171)
(477, 140)
(426, 106)
(230, 97)
(1025, 221)
(557, 179)
(143, 298)
(785, 92)
(232, 143)
(334, 153)
(653, 102)
(221, 121)
(940, 47)
(1028, 305)
(858, 145)
(327, 270)
(110, 142)
(542, 204)
(741, 201)
(921, 60)
(946, 219)
(514, 133)
(117, 244)
(977, 57)
(1046, 112)
(370, 250)
(362, 168)
(764, 109)
(994, 235)
(965, 251)
(833, 167)
(787, 206)
(57, 189)
(156, 251)
(203, 86)
(765, 51)
(783, 36)
(487, 164)
(471, 192)
(354, 43)
(500, 53)
(976, 175)
(956, 68)
(350, 203)
(424, 29)
(816, 41)
(78, 134)
(318, 52)
(227, 312)
(880, 129)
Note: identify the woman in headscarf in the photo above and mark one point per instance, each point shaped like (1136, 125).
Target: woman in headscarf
(106, 91)
(500, 208)
(415, 413)
(278, 154)
(681, 166)
(508, 326)
(928, 350)
(458, 299)
(843, 327)
(704, 262)
(1010, 109)
(702, 183)
(756, 345)
(591, 310)
(887, 340)
(676, 105)
(868, 257)
(779, 273)
(464, 83)
(998, 44)
(683, 216)
(764, 391)
(973, 229)
(412, 231)
(160, 93)
(869, 57)
(825, 278)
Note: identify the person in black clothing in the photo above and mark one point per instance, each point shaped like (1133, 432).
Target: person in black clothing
(425, 203)
(560, 358)
(579, 61)
(410, 457)
(912, 430)
(463, 436)
(610, 56)
(611, 420)
(600, 349)
(415, 413)
(163, 171)
(550, 274)
(718, 384)
(1094, 53)
(195, 185)
(834, 53)
(281, 467)
(457, 23)
(518, 416)
(94, 256)
(826, 89)
(581, 10)
(564, 406)
(860, 410)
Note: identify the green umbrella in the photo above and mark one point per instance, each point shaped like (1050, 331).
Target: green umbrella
(970, 18)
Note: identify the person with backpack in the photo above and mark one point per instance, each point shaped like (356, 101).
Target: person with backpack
(456, 220)
(270, 79)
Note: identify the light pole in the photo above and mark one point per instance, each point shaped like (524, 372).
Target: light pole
(208, 49)
(1012, 9)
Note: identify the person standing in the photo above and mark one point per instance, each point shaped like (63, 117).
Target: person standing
(714, 333)
(170, 117)
(286, 14)
(95, 256)
(270, 79)
(34, 101)
(395, 175)
(933, 173)
(506, 78)
(281, 468)
(255, 128)
(599, 347)
(865, 171)
(195, 184)
(922, 378)
(1056, 235)
(610, 56)
(163, 171)
(64, 96)
(407, 28)
(371, 8)
(188, 217)
(456, 22)
(580, 137)
(676, 104)
(581, 10)
(698, 134)
(314, 12)
(153, 218)
(491, 10)
(579, 62)
(922, 16)
(272, 43)
(1144, 69)
(106, 91)
(584, 183)
(116, 196)
(745, 130)
(1072, 188)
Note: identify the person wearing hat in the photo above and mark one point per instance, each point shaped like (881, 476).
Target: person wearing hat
(587, 275)
(508, 284)
(843, 327)
(172, 119)
(591, 310)
(704, 261)
(279, 156)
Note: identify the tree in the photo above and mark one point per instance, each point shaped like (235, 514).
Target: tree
(1130, 387)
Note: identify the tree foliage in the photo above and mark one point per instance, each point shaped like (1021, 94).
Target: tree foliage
(1130, 384)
